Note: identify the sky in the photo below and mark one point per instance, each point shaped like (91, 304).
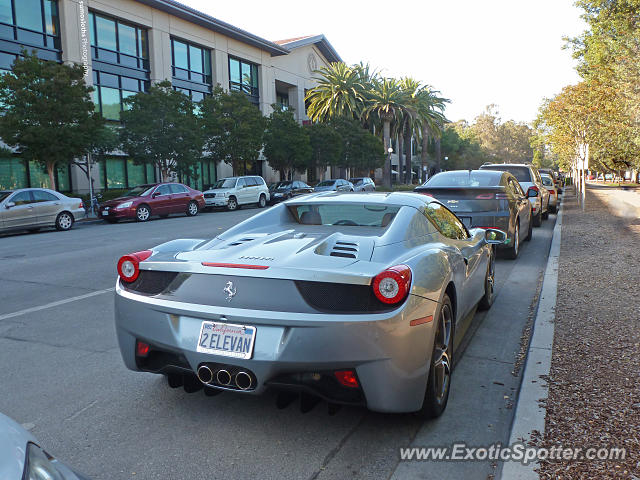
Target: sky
(503, 52)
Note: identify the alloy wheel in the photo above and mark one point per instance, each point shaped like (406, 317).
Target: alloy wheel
(143, 214)
(65, 221)
(193, 208)
(442, 355)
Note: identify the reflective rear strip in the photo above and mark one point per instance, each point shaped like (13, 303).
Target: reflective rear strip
(235, 265)
(420, 321)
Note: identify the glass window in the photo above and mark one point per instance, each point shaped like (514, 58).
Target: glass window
(131, 84)
(42, 196)
(29, 14)
(13, 173)
(92, 30)
(143, 42)
(127, 38)
(62, 178)
(180, 55)
(22, 198)
(151, 174)
(234, 70)
(38, 175)
(110, 103)
(349, 214)
(115, 169)
(464, 178)
(109, 80)
(241, 183)
(446, 222)
(521, 173)
(163, 190)
(106, 33)
(195, 58)
(6, 13)
(51, 17)
(197, 96)
(177, 188)
(135, 173)
(126, 94)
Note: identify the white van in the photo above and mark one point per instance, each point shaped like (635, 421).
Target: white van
(235, 191)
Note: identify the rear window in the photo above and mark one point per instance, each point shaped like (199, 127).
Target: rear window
(546, 181)
(464, 179)
(354, 215)
(521, 173)
(326, 183)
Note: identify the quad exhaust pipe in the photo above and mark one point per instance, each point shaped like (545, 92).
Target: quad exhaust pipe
(208, 374)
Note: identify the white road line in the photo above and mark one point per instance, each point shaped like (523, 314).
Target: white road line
(53, 304)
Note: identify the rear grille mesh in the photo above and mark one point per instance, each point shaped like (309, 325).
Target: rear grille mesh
(150, 282)
(341, 297)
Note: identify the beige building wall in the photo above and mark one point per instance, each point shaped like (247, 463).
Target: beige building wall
(294, 69)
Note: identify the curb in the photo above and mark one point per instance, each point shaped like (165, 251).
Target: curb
(530, 414)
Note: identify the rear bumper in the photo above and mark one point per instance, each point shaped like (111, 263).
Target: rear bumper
(78, 213)
(390, 357)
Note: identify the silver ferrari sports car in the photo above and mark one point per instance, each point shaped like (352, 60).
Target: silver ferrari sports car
(356, 298)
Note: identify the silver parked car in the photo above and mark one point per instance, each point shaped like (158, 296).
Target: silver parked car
(35, 208)
(354, 298)
(22, 457)
(335, 185)
(363, 184)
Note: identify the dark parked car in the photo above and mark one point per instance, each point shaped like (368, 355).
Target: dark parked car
(288, 189)
(162, 199)
(363, 184)
(485, 199)
(339, 185)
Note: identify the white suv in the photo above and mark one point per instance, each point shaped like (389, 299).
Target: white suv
(235, 191)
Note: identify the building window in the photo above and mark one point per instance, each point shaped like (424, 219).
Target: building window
(111, 90)
(13, 173)
(190, 63)
(282, 99)
(31, 23)
(120, 173)
(243, 77)
(117, 42)
(205, 171)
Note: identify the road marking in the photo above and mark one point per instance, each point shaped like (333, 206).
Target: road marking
(53, 304)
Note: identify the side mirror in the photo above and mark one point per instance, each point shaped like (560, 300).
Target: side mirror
(9, 205)
(493, 236)
(532, 193)
(155, 194)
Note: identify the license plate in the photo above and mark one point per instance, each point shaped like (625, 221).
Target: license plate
(466, 221)
(226, 339)
(105, 213)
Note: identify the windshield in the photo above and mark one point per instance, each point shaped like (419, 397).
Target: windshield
(284, 185)
(326, 183)
(349, 214)
(225, 183)
(4, 195)
(356, 181)
(465, 178)
(546, 181)
(139, 191)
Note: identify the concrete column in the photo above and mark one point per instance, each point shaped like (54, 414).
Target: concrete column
(296, 100)
(267, 88)
(75, 35)
(220, 67)
(159, 55)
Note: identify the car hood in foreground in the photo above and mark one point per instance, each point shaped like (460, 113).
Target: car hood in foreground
(13, 448)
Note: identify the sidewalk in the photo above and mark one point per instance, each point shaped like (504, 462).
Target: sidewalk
(594, 389)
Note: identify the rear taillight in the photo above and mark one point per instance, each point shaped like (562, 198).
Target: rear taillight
(552, 192)
(128, 265)
(81, 205)
(347, 378)
(534, 187)
(392, 285)
(142, 349)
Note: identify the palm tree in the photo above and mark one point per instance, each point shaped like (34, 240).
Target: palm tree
(411, 125)
(430, 108)
(341, 91)
(386, 101)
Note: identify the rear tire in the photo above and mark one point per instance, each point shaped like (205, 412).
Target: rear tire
(537, 220)
(192, 209)
(64, 221)
(489, 283)
(553, 209)
(530, 230)
(513, 251)
(441, 363)
(262, 202)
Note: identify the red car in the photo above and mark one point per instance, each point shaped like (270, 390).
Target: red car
(143, 201)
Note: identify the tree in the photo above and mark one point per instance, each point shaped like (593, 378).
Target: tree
(386, 101)
(361, 150)
(431, 119)
(47, 112)
(160, 128)
(326, 146)
(233, 129)
(286, 143)
(341, 91)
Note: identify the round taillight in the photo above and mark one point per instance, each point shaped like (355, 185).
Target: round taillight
(128, 265)
(392, 285)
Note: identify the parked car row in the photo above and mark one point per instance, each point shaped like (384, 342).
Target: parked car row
(510, 197)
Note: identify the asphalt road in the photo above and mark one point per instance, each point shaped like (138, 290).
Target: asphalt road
(62, 376)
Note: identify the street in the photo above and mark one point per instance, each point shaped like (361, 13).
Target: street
(64, 380)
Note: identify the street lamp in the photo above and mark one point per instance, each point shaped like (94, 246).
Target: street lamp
(390, 150)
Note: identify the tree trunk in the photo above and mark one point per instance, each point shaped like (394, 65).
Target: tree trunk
(386, 171)
(438, 153)
(407, 159)
(423, 153)
(51, 167)
(401, 162)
